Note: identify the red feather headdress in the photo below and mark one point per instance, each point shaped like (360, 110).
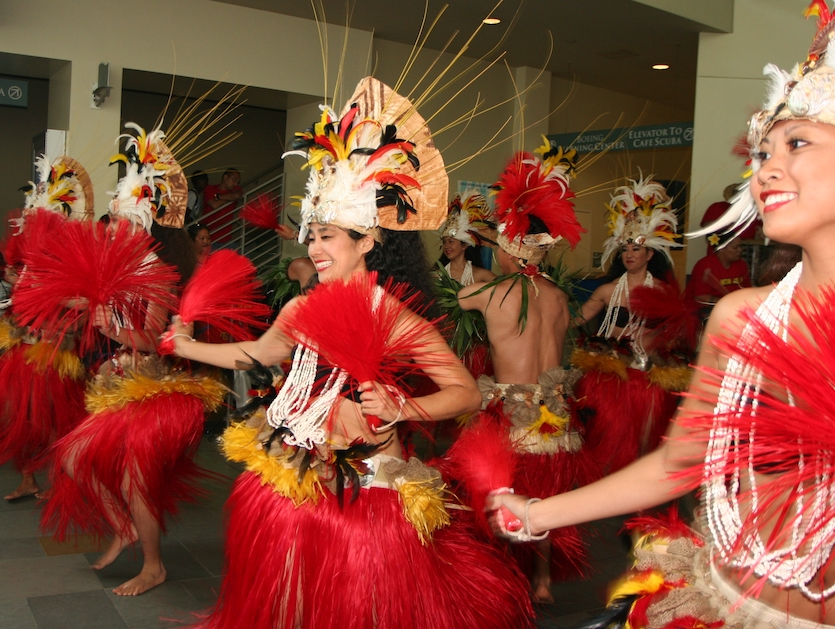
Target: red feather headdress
(532, 187)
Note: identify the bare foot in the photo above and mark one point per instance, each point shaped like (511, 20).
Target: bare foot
(118, 544)
(144, 581)
(28, 487)
(542, 593)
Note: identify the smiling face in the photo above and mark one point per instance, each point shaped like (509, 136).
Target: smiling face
(635, 257)
(794, 187)
(453, 248)
(334, 253)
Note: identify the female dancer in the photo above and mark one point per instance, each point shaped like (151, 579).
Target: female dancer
(468, 221)
(307, 547)
(43, 381)
(769, 520)
(130, 461)
(622, 389)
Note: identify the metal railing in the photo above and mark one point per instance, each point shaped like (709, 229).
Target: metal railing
(261, 246)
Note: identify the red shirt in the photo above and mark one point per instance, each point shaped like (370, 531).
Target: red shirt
(217, 230)
(709, 277)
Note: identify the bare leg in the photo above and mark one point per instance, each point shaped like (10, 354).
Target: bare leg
(153, 572)
(542, 572)
(115, 549)
(28, 487)
(120, 542)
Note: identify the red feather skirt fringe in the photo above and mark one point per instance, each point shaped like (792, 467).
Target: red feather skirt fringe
(318, 567)
(141, 451)
(39, 406)
(474, 461)
(544, 475)
(627, 418)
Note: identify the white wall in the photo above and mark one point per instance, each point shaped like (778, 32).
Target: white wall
(730, 87)
(195, 38)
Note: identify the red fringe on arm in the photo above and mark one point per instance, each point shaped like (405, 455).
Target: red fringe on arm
(358, 327)
(263, 212)
(225, 294)
(83, 268)
(802, 368)
(673, 319)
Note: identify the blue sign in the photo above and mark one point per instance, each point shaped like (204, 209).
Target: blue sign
(14, 93)
(660, 136)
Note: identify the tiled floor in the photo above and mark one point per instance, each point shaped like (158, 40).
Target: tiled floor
(47, 586)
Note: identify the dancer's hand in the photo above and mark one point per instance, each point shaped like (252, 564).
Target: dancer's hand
(286, 232)
(103, 318)
(383, 408)
(506, 513)
(180, 332)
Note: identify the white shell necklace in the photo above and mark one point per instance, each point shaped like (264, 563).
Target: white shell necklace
(634, 328)
(783, 567)
(292, 407)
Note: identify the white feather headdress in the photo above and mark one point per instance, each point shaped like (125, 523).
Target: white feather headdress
(640, 213)
(470, 220)
(63, 186)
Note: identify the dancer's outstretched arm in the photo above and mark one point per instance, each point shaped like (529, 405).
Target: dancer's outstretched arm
(647, 482)
(271, 348)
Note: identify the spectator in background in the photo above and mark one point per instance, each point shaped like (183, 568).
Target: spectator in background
(198, 183)
(223, 198)
(719, 273)
(722, 270)
(716, 210)
(199, 234)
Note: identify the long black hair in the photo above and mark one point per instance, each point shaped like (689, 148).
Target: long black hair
(401, 257)
(177, 250)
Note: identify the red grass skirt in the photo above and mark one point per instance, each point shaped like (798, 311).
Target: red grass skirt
(142, 450)
(627, 418)
(39, 406)
(318, 567)
(544, 475)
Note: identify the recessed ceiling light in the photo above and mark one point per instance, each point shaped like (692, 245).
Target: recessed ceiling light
(661, 66)
(492, 21)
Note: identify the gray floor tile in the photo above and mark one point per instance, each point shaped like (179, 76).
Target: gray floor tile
(15, 614)
(41, 576)
(204, 591)
(82, 610)
(21, 548)
(162, 606)
(179, 564)
(30, 503)
(17, 524)
(209, 554)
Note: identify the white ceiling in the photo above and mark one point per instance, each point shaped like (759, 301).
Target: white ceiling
(606, 43)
